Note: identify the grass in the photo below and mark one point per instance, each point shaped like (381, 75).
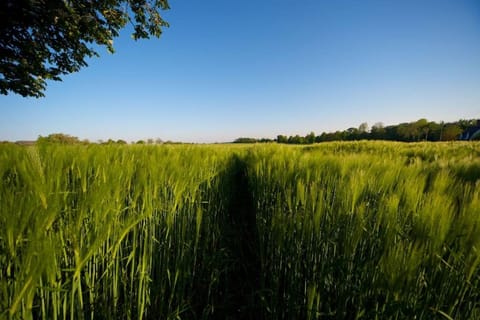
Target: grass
(361, 230)
(369, 230)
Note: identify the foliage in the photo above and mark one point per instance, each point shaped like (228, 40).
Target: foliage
(369, 230)
(59, 138)
(451, 132)
(420, 130)
(110, 232)
(245, 140)
(251, 140)
(44, 40)
(342, 230)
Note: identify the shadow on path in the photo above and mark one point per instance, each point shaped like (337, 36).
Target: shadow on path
(240, 281)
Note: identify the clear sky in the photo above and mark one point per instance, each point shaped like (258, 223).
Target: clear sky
(258, 68)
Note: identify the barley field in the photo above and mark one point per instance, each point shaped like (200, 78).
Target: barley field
(346, 230)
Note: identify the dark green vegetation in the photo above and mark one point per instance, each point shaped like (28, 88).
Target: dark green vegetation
(44, 40)
(420, 130)
(358, 230)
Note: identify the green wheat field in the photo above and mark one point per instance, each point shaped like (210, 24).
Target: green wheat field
(346, 230)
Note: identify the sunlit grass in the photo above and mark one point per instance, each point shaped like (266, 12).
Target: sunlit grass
(369, 230)
(116, 232)
(373, 230)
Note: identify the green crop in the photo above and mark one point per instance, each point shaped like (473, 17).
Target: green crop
(108, 232)
(369, 230)
(362, 230)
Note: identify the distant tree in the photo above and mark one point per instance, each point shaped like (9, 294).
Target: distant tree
(465, 124)
(391, 133)
(297, 139)
(140, 142)
(150, 141)
(422, 129)
(320, 138)
(351, 134)
(331, 136)
(434, 130)
(377, 131)
(282, 139)
(120, 141)
(378, 125)
(44, 40)
(413, 132)
(158, 141)
(310, 138)
(403, 132)
(59, 138)
(245, 140)
(363, 128)
(451, 132)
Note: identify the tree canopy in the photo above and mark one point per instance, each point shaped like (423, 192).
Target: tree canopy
(420, 130)
(59, 138)
(44, 39)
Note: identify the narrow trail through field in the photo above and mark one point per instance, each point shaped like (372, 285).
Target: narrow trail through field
(241, 281)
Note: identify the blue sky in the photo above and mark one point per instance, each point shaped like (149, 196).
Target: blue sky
(258, 68)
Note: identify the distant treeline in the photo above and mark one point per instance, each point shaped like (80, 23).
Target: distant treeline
(420, 130)
(61, 138)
